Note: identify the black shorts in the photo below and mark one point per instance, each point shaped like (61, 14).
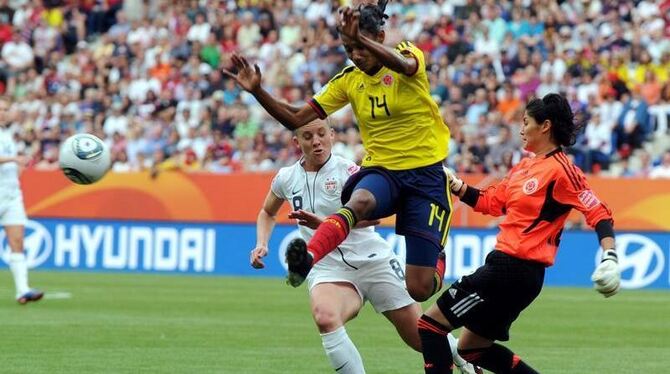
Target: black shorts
(491, 298)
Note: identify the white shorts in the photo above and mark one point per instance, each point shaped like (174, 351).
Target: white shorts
(381, 281)
(12, 212)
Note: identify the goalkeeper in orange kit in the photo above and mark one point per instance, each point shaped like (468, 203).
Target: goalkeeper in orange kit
(536, 196)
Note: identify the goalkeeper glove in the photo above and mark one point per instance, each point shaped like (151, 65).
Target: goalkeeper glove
(606, 277)
(455, 184)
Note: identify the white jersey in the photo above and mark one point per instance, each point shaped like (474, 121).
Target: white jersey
(319, 193)
(9, 171)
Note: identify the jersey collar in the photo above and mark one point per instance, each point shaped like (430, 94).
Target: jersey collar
(555, 151)
(377, 78)
(324, 167)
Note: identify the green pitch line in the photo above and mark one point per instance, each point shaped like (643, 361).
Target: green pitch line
(119, 323)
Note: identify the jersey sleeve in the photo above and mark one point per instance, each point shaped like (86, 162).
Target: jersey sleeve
(352, 168)
(278, 185)
(573, 189)
(333, 96)
(491, 200)
(408, 49)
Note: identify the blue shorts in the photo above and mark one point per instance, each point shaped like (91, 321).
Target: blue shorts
(422, 202)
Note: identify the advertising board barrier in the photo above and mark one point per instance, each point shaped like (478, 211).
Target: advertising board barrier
(223, 249)
(236, 198)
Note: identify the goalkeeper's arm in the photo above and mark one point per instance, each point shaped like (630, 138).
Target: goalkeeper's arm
(607, 276)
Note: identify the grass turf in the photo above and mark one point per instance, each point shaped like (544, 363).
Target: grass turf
(122, 323)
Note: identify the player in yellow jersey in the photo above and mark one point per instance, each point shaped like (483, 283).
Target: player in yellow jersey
(405, 140)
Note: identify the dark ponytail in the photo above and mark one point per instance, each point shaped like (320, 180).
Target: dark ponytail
(555, 108)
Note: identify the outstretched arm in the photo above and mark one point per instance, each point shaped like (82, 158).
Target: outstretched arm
(577, 193)
(490, 201)
(289, 107)
(388, 56)
(249, 78)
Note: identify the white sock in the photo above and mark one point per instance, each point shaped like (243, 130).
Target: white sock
(19, 267)
(453, 344)
(342, 352)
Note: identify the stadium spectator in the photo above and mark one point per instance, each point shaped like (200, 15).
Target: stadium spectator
(17, 54)
(660, 111)
(663, 169)
(504, 146)
(599, 144)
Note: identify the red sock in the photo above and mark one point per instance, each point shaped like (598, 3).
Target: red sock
(439, 274)
(331, 233)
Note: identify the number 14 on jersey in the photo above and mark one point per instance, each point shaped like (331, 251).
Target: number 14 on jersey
(375, 103)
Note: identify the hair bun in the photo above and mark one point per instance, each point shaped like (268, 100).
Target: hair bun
(373, 16)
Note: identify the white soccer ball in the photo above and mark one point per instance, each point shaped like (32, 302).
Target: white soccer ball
(84, 158)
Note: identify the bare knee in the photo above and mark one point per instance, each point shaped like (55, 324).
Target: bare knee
(420, 295)
(327, 320)
(420, 281)
(362, 202)
(420, 291)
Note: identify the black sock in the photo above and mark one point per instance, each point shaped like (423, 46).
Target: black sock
(435, 346)
(497, 359)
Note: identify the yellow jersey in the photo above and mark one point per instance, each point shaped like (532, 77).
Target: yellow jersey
(400, 123)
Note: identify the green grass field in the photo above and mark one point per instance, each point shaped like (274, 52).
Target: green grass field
(118, 323)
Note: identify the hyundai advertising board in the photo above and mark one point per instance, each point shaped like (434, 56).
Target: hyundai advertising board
(223, 249)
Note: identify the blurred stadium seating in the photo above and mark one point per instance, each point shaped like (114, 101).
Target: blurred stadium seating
(145, 76)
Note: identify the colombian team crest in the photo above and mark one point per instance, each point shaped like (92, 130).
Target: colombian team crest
(530, 186)
(387, 80)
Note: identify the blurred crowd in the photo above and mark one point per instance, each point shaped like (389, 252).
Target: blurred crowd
(145, 75)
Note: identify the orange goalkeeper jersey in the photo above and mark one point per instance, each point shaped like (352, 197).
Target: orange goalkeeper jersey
(536, 196)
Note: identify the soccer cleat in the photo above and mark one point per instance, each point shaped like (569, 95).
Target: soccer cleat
(469, 368)
(299, 262)
(32, 295)
(439, 271)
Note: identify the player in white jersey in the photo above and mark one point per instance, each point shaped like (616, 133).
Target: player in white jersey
(12, 212)
(362, 268)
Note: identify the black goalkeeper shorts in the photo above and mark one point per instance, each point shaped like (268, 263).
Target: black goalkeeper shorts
(490, 299)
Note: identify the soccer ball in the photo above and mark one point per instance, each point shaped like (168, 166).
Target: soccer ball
(84, 158)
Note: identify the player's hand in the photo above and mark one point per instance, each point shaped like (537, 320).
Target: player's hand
(256, 257)
(22, 160)
(455, 183)
(367, 223)
(306, 218)
(347, 23)
(247, 77)
(607, 276)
